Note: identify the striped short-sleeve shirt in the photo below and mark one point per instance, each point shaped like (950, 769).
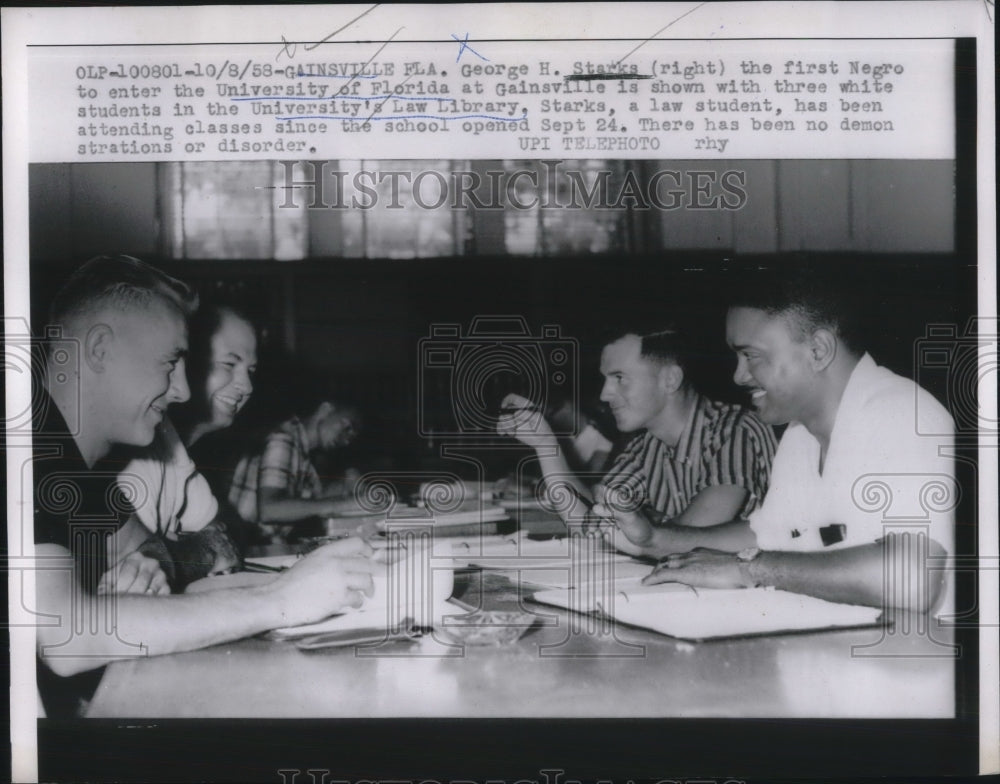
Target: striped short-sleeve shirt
(723, 444)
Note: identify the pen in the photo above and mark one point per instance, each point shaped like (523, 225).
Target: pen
(581, 497)
(514, 410)
(251, 566)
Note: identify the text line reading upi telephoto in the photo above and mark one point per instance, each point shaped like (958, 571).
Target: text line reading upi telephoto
(508, 103)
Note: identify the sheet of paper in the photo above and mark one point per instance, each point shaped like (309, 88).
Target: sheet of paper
(707, 614)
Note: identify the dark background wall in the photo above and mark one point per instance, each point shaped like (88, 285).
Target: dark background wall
(889, 225)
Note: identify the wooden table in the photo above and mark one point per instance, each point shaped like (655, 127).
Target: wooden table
(559, 668)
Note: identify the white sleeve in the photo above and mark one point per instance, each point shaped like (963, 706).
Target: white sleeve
(166, 489)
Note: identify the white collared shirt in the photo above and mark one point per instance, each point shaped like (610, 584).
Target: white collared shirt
(889, 469)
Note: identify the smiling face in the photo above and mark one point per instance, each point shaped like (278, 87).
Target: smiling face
(633, 386)
(774, 363)
(143, 372)
(233, 361)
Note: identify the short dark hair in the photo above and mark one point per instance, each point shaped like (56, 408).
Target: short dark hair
(660, 343)
(809, 295)
(122, 282)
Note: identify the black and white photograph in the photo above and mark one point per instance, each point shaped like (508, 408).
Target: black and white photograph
(501, 398)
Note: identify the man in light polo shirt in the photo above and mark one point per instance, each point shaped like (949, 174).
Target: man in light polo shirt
(855, 462)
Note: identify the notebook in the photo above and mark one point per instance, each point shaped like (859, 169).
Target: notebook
(706, 614)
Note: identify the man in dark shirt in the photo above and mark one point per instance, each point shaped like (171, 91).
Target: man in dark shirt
(125, 322)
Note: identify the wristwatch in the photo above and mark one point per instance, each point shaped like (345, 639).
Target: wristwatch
(744, 558)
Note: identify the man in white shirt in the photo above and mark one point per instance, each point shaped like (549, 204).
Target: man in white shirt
(860, 505)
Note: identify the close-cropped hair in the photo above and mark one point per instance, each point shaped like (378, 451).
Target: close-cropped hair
(665, 345)
(121, 283)
(808, 296)
(202, 326)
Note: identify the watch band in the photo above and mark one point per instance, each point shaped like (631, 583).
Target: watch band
(744, 559)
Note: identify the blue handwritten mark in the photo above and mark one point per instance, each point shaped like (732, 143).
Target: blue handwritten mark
(407, 117)
(344, 98)
(465, 45)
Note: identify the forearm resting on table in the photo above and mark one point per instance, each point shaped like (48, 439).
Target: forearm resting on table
(890, 573)
(277, 508)
(732, 537)
(714, 505)
(556, 474)
(164, 624)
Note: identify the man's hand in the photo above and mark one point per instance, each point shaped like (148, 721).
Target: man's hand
(135, 573)
(526, 423)
(627, 530)
(701, 568)
(326, 581)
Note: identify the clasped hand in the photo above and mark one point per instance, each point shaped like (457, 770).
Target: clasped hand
(525, 422)
(135, 573)
(329, 579)
(627, 530)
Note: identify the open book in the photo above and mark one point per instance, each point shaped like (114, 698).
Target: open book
(706, 613)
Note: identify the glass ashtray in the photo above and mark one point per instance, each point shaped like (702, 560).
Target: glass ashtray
(487, 627)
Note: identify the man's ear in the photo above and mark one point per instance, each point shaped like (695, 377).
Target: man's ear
(97, 347)
(822, 348)
(671, 377)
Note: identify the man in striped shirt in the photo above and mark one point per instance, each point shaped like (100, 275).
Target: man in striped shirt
(692, 462)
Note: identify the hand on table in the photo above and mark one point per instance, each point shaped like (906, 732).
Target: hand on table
(135, 573)
(326, 581)
(528, 425)
(701, 568)
(629, 531)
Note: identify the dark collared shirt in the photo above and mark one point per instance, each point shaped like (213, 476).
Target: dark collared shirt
(77, 507)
